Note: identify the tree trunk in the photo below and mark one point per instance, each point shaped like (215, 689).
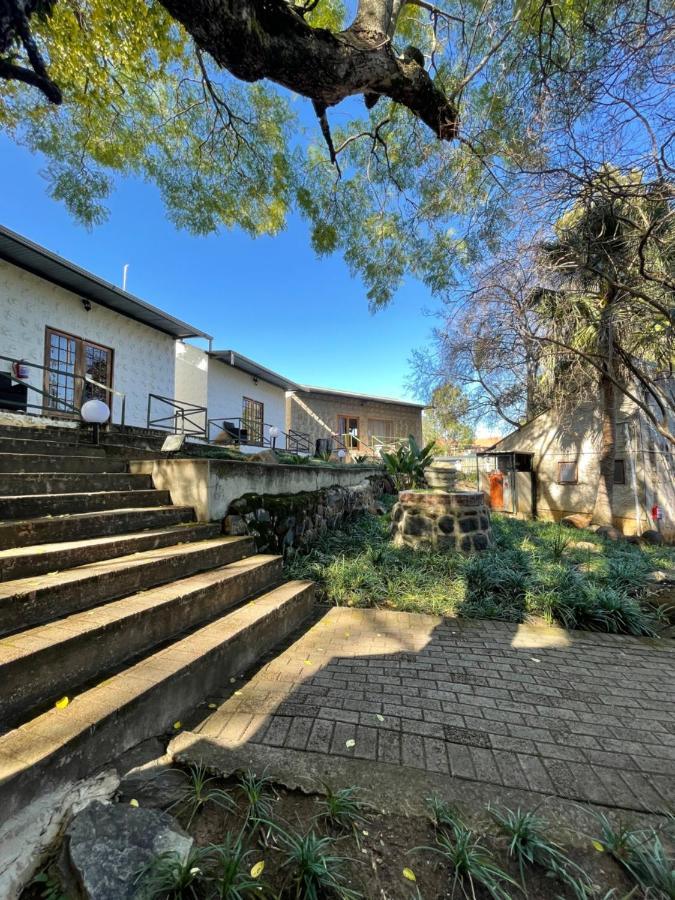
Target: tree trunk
(603, 510)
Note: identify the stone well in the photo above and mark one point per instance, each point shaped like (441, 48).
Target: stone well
(443, 520)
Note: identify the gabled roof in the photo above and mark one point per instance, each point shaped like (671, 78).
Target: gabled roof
(232, 358)
(18, 250)
(307, 389)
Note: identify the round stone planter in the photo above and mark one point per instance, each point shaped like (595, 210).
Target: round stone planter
(442, 520)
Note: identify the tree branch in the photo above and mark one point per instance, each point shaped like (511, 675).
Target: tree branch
(255, 40)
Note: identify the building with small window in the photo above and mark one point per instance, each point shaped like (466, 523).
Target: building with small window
(359, 424)
(550, 467)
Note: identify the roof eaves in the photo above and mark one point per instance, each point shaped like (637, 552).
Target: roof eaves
(25, 254)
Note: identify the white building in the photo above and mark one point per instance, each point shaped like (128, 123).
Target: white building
(68, 325)
(245, 400)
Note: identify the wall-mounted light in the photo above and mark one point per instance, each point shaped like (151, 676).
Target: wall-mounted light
(255, 379)
(86, 303)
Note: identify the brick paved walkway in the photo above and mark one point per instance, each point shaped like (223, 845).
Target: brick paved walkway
(577, 715)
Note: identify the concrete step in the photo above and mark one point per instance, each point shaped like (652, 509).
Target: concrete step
(71, 482)
(31, 561)
(47, 530)
(45, 598)
(63, 745)
(49, 446)
(24, 462)
(34, 505)
(41, 664)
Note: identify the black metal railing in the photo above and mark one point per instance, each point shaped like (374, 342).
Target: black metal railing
(177, 416)
(14, 392)
(297, 441)
(244, 432)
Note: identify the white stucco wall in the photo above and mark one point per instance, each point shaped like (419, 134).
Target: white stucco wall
(228, 386)
(143, 359)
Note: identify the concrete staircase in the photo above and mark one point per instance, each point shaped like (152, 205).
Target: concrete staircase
(116, 599)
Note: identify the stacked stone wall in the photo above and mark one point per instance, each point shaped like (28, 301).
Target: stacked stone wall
(279, 522)
(442, 520)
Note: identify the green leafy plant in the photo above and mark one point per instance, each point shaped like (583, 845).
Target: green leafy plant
(472, 863)
(559, 543)
(233, 874)
(443, 815)
(342, 809)
(168, 877)
(528, 846)
(408, 462)
(49, 885)
(315, 871)
(642, 854)
(201, 790)
(258, 794)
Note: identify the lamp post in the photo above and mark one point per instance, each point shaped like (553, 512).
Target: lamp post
(95, 413)
(274, 434)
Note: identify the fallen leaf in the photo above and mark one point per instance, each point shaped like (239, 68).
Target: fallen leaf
(598, 846)
(258, 869)
(232, 680)
(380, 718)
(350, 743)
(308, 662)
(177, 725)
(213, 706)
(534, 659)
(365, 832)
(236, 693)
(409, 874)
(62, 703)
(134, 803)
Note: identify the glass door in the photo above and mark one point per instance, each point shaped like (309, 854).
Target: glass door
(71, 358)
(348, 431)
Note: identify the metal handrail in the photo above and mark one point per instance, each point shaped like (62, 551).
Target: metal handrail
(183, 413)
(61, 406)
(297, 441)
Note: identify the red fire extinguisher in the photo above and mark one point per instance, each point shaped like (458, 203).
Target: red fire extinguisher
(20, 369)
(657, 513)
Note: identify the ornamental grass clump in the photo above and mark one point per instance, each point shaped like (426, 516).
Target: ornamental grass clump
(534, 571)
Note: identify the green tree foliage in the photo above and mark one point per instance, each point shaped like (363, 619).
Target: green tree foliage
(166, 92)
(444, 423)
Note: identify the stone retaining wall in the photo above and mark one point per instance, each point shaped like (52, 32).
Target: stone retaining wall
(284, 521)
(442, 520)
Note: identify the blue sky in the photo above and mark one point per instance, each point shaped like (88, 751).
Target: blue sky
(271, 299)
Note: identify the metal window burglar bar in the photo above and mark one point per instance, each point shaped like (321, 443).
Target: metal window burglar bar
(14, 392)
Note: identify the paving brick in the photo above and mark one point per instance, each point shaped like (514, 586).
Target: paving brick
(435, 754)
(590, 722)
(320, 736)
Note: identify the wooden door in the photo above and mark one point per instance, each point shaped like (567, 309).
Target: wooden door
(71, 358)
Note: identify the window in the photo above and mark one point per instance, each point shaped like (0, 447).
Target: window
(619, 472)
(567, 473)
(252, 419)
(381, 429)
(72, 358)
